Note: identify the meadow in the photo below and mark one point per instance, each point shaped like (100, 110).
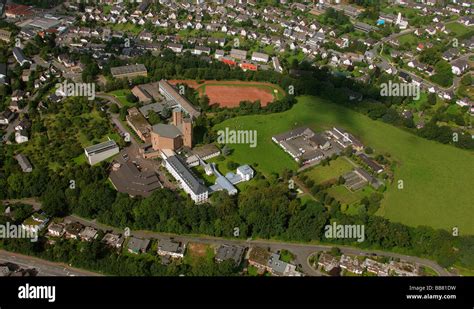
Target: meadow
(435, 177)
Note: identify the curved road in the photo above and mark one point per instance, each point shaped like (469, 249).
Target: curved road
(301, 251)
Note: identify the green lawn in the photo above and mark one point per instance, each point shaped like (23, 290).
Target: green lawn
(460, 30)
(127, 27)
(345, 196)
(435, 176)
(338, 167)
(121, 95)
(408, 38)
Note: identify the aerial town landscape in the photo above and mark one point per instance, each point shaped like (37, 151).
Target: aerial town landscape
(275, 138)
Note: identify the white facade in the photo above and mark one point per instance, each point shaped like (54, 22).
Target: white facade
(197, 198)
(100, 152)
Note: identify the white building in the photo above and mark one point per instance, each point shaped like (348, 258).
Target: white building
(100, 152)
(260, 57)
(190, 183)
(246, 172)
(21, 136)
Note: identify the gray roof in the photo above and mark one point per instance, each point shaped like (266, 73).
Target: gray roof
(128, 179)
(166, 130)
(24, 163)
(319, 139)
(168, 245)
(98, 148)
(156, 107)
(227, 252)
(19, 55)
(293, 133)
(128, 69)
(225, 184)
(245, 169)
(276, 264)
(182, 101)
(188, 176)
(138, 244)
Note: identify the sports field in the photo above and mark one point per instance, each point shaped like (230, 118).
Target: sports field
(436, 178)
(231, 93)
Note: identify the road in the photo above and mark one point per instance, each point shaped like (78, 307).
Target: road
(301, 251)
(44, 268)
(31, 201)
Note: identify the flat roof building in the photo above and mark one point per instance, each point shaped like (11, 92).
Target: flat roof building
(169, 247)
(260, 57)
(137, 245)
(139, 124)
(230, 252)
(127, 178)
(100, 152)
(238, 54)
(24, 163)
(129, 71)
(170, 93)
(190, 183)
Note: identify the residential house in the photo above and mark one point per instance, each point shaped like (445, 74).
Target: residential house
(259, 257)
(56, 229)
(230, 252)
(73, 229)
(351, 264)
(21, 136)
(171, 248)
(137, 245)
(88, 234)
(113, 240)
(459, 67)
(327, 261)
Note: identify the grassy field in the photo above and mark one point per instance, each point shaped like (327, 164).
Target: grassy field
(460, 30)
(408, 38)
(127, 27)
(320, 174)
(121, 95)
(435, 176)
(345, 196)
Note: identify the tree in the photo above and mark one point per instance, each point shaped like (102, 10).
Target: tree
(114, 108)
(131, 98)
(166, 112)
(444, 75)
(335, 251)
(54, 201)
(432, 98)
(153, 117)
(369, 150)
